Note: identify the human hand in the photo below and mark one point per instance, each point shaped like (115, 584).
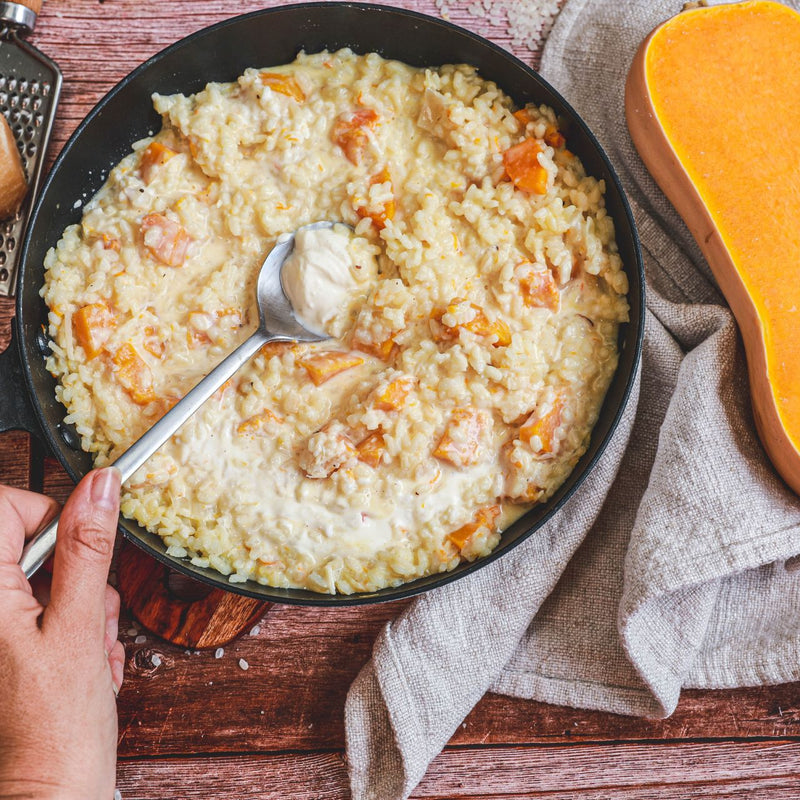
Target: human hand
(60, 661)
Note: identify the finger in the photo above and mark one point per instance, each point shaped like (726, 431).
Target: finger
(84, 547)
(116, 661)
(112, 617)
(21, 515)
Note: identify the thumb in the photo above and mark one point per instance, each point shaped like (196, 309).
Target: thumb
(85, 544)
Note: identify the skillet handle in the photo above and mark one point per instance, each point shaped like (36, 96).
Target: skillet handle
(16, 411)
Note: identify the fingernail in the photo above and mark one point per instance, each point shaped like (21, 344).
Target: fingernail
(105, 488)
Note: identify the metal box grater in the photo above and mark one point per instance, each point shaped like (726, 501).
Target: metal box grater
(30, 84)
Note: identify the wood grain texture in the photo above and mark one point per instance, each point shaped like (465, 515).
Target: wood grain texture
(33, 5)
(15, 459)
(193, 727)
(302, 662)
(640, 771)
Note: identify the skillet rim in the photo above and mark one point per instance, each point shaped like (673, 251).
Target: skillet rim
(435, 580)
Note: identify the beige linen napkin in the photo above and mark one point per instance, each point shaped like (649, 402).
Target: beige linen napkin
(666, 569)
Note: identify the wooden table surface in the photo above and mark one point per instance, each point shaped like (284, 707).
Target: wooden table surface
(194, 726)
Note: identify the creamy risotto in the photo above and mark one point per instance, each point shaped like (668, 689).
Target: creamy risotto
(473, 305)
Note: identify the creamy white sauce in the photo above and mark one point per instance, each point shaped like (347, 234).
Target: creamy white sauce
(318, 276)
(328, 527)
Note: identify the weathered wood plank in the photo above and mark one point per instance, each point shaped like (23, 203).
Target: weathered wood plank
(723, 771)
(56, 481)
(302, 662)
(15, 459)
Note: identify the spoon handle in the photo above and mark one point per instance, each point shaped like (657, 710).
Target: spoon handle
(143, 448)
(39, 548)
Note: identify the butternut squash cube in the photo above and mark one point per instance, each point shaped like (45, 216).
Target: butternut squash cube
(461, 441)
(484, 518)
(322, 367)
(93, 325)
(371, 449)
(156, 154)
(522, 166)
(348, 132)
(166, 240)
(256, 424)
(479, 324)
(538, 287)
(283, 84)
(133, 374)
(543, 426)
(393, 395)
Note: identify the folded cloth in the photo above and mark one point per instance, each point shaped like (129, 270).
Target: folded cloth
(667, 568)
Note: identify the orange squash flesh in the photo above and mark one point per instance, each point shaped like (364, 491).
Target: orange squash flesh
(712, 106)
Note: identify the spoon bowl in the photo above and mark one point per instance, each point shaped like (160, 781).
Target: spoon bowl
(277, 323)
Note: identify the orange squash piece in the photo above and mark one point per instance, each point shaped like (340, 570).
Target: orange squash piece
(371, 449)
(93, 325)
(480, 325)
(544, 426)
(387, 211)
(283, 84)
(166, 240)
(711, 104)
(522, 116)
(484, 518)
(539, 289)
(522, 166)
(554, 137)
(348, 132)
(153, 342)
(133, 374)
(155, 155)
(110, 243)
(384, 350)
(276, 349)
(322, 367)
(393, 396)
(461, 439)
(255, 425)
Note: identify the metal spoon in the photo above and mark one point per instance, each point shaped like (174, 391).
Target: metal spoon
(277, 322)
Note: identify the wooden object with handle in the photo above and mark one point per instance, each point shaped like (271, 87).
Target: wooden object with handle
(712, 108)
(181, 610)
(33, 5)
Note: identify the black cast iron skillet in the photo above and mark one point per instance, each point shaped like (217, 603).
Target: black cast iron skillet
(221, 53)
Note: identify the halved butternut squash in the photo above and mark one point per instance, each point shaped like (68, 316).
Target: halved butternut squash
(711, 104)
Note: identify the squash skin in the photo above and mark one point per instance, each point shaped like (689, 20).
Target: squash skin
(663, 162)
